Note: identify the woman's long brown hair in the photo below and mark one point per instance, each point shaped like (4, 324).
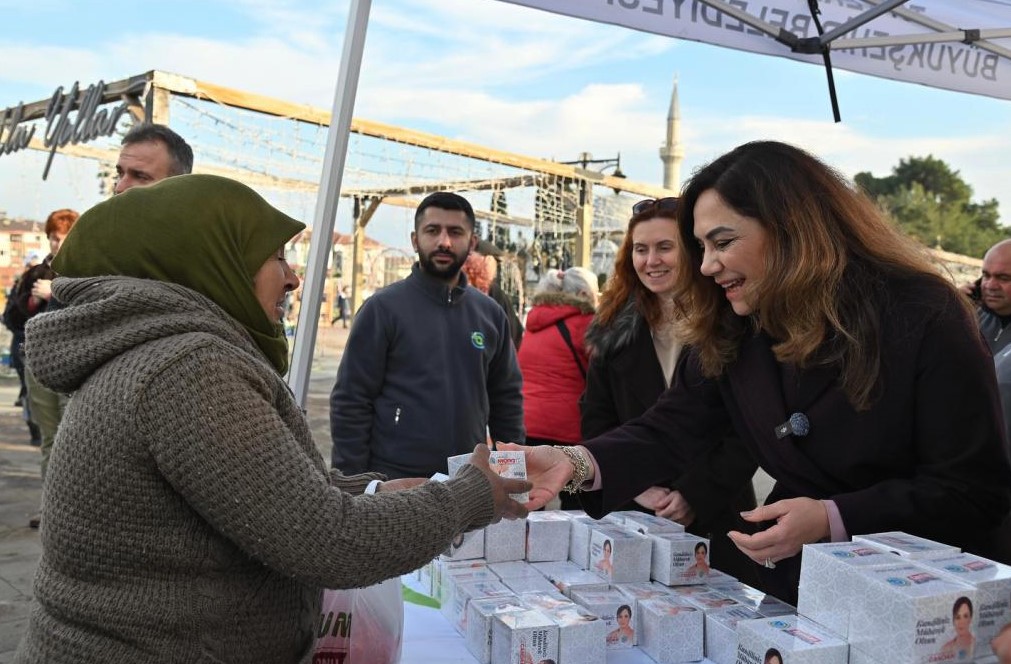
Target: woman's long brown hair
(831, 250)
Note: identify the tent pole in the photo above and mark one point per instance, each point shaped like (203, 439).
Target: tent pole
(327, 198)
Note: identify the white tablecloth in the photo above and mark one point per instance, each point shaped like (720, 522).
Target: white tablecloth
(429, 639)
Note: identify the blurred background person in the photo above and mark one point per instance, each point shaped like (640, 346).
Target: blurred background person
(478, 274)
(343, 307)
(35, 295)
(553, 358)
(492, 256)
(14, 319)
(634, 346)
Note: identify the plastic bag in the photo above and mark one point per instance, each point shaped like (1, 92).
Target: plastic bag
(374, 636)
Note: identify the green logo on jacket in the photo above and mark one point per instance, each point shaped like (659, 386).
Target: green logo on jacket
(477, 338)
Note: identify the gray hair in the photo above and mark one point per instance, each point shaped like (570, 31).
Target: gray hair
(575, 281)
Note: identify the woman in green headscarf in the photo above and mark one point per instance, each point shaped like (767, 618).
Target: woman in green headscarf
(188, 516)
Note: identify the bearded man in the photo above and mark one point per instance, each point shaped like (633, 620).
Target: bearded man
(429, 369)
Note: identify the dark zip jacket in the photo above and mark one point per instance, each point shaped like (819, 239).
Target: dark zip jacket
(427, 373)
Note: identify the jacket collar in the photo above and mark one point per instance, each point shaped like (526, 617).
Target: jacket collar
(436, 288)
(605, 340)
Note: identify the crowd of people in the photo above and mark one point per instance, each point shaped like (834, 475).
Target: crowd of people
(768, 317)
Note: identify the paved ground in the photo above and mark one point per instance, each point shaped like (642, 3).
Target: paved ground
(20, 485)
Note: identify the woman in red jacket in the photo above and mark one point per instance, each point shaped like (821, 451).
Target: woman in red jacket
(553, 358)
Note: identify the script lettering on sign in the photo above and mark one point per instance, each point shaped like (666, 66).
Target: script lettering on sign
(13, 136)
(71, 118)
(89, 124)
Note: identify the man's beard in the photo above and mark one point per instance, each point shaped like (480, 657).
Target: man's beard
(446, 273)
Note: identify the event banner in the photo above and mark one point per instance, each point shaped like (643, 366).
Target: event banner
(951, 65)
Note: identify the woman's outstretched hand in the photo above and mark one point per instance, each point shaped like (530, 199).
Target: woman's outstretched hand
(505, 507)
(548, 469)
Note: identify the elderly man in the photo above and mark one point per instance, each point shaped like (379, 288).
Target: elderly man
(992, 291)
(151, 152)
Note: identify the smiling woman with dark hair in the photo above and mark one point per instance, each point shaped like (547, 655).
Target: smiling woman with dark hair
(848, 367)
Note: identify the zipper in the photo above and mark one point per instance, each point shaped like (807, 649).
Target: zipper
(396, 416)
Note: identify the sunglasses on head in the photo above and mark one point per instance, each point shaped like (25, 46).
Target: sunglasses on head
(669, 204)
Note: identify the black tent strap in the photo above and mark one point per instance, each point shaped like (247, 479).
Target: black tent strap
(823, 48)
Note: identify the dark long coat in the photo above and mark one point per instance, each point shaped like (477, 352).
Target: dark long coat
(926, 458)
(624, 380)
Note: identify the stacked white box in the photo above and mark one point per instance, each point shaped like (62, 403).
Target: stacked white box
(721, 633)
(756, 600)
(455, 606)
(567, 576)
(431, 574)
(507, 464)
(711, 600)
(679, 559)
(639, 591)
(579, 540)
(906, 545)
(510, 568)
(796, 639)
(466, 546)
(691, 591)
(547, 536)
(480, 613)
(905, 614)
(523, 636)
(616, 610)
(647, 524)
(718, 578)
(505, 540)
(992, 581)
(441, 566)
(546, 601)
(448, 577)
(620, 555)
(827, 567)
(582, 635)
(536, 583)
(672, 630)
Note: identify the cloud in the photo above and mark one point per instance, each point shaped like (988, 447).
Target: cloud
(504, 76)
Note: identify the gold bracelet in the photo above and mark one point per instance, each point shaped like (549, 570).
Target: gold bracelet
(581, 468)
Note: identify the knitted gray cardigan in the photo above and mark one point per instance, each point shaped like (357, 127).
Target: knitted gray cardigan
(187, 514)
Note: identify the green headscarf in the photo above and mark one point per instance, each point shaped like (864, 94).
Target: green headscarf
(205, 232)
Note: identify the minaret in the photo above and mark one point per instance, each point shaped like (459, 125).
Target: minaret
(671, 153)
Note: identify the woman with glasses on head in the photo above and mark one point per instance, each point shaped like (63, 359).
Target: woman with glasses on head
(851, 370)
(634, 346)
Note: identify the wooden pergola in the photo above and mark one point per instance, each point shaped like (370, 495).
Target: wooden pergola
(147, 97)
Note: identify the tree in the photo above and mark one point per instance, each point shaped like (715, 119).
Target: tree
(931, 202)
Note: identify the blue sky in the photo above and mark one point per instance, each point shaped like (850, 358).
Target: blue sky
(505, 76)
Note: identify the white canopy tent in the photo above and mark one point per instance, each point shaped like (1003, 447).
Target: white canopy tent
(960, 45)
